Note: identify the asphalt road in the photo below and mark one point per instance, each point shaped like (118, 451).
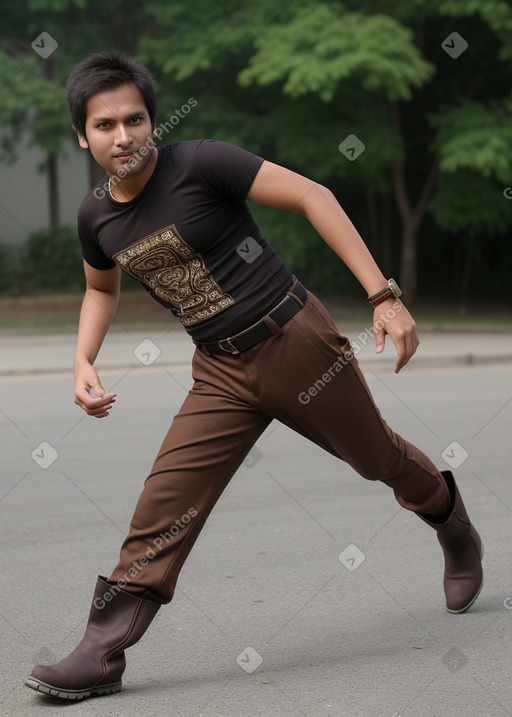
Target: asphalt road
(309, 592)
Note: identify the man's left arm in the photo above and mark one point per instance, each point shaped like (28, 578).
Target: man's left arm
(279, 187)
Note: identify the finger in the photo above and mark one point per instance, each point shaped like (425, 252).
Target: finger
(97, 391)
(416, 339)
(401, 360)
(99, 411)
(406, 348)
(105, 414)
(380, 338)
(84, 397)
(94, 406)
(412, 342)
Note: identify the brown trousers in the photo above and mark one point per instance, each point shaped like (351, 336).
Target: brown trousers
(304, 376)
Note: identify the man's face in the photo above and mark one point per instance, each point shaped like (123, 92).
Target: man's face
(117, 125)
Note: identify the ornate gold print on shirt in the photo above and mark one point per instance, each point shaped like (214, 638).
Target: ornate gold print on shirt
(175, 273)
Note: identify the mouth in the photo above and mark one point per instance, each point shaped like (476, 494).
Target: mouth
(124, 155)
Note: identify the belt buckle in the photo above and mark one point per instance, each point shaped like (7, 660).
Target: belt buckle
(231, 350)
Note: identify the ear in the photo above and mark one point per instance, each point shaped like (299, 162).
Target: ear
(82, 140)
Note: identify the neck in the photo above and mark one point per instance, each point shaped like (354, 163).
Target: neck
(126, 188)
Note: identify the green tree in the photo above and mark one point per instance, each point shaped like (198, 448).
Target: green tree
(326, 46)
(292, 83)
(32, 82)
(32, 102)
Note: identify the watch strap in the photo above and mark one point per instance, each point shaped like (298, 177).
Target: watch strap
(391, 289)
(380, 296)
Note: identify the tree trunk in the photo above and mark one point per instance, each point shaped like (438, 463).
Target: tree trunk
(409, 263)
(386, 233)
(53, 190)
(411, 215)
(373, 224)
(52, 166)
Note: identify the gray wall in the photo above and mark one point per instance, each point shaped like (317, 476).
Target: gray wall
(24, 191)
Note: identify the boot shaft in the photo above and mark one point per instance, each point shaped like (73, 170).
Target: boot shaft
(117, 620)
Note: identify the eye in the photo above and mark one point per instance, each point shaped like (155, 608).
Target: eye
(103, 125)
(136, 120)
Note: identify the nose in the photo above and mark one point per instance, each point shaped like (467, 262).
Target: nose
(123, 138)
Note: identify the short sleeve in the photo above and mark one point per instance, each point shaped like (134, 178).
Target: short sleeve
(226, 168)
(91, 251)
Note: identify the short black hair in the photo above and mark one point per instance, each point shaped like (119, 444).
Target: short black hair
(103, 71)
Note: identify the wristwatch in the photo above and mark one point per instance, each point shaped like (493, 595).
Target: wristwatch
(391, 289)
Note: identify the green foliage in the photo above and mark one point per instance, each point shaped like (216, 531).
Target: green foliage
(471, 135)
(20, 83)
(51, 260)
(306, 254)
(496, 13)
(194, 40)
(322, 46)
(7, 272)
(290, 83)
(465, 203)
(51, 123)
(55, 5)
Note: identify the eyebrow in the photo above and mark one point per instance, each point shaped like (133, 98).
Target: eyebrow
(102, 118)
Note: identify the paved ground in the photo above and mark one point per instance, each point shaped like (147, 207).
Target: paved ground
(268, 619)
(128, 348)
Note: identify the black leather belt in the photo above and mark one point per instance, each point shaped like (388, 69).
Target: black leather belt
(246, 339)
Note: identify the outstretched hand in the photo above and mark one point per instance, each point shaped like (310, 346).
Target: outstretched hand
(90, 394)
(392, 318)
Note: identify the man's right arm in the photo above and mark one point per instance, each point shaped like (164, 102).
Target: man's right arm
(98, 309)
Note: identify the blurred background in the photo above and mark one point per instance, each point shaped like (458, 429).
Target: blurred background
(402, 107)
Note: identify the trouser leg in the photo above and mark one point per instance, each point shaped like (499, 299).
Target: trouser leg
(314, 385)
(231, 403)
(323, 395)
(207, 442)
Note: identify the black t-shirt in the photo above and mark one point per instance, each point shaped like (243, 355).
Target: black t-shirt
(190, 239)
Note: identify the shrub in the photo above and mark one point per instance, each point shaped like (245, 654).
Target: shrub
(7, 270)
(51, 260)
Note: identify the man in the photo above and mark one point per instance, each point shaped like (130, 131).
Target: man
(175, 218)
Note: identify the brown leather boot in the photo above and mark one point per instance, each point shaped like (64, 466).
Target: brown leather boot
(117, 620)
(463, 552)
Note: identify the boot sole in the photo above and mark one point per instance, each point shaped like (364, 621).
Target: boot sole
(52, 691)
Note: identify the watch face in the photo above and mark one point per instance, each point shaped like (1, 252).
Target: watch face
(394, 288)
